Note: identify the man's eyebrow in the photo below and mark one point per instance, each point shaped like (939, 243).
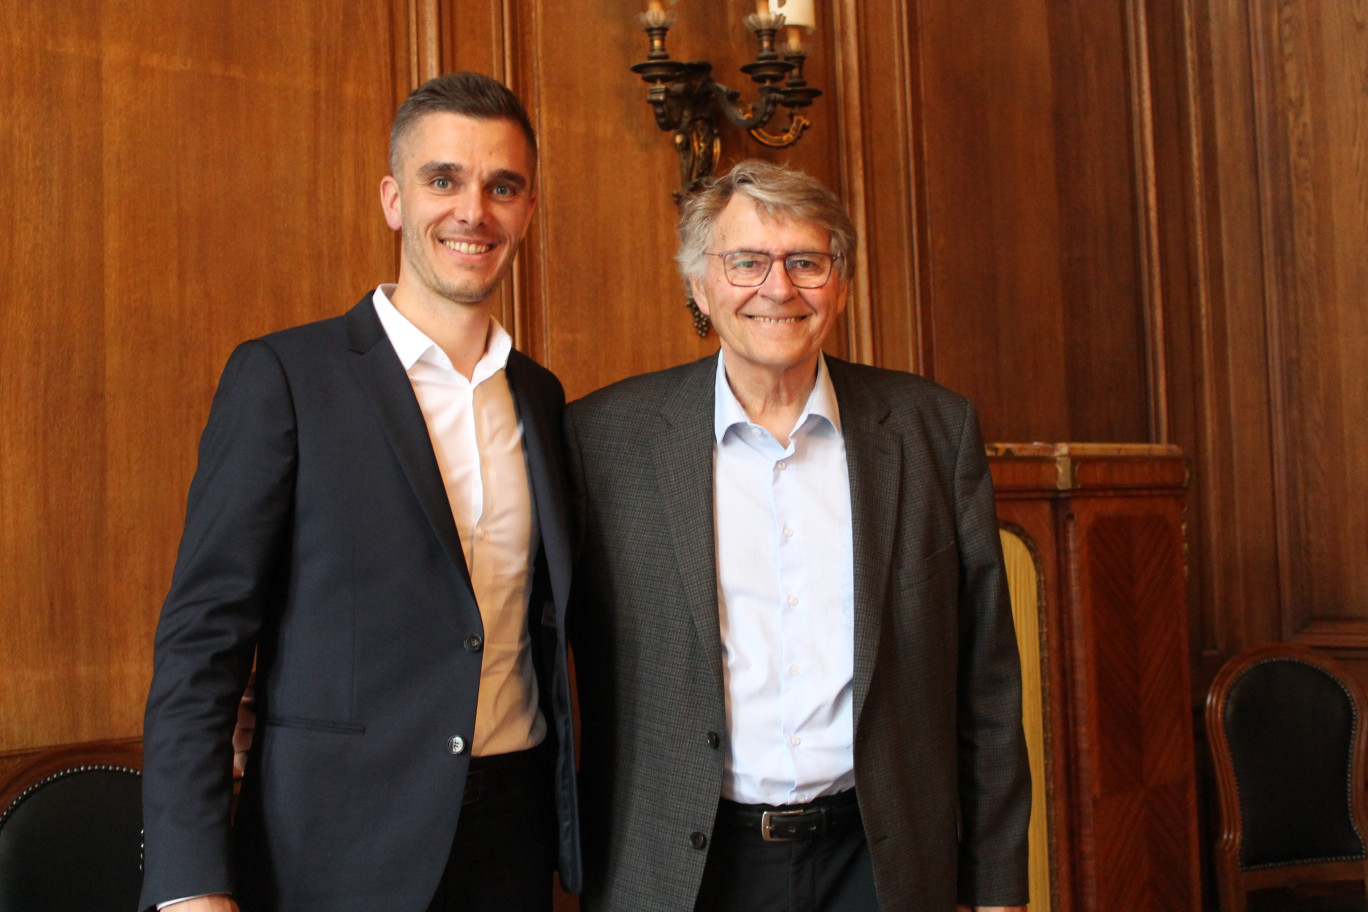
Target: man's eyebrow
(435, 168)
(508, 176)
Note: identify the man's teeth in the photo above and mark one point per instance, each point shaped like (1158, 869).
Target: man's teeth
(467, 247)
(776, 319)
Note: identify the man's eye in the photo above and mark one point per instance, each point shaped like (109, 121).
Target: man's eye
(441, 183)
(502, 190)
(800, 263)
(745, 263)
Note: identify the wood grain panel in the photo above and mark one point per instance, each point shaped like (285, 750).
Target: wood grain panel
(1143, 796)
(1315, 62)
(1030, 182)
(194, 175)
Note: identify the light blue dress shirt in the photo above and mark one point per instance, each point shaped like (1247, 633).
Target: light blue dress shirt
(785, 572)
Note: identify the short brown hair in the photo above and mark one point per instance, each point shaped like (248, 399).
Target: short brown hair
(778, 192)
(470, 94)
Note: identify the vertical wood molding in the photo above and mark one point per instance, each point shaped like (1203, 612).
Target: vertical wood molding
(1266, 148)
(518, 30)
(1206, 492)
(850, 128)
(1147, 211)
(876, 80)
(426, 43)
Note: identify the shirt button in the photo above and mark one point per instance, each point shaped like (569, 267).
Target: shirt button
(698, 841)
(755, 432)
(474, 642)
(456, 745)
(781, 466)
(795, 740)
(795, 670)
(788, 533)
(793, 599)
(713, 740)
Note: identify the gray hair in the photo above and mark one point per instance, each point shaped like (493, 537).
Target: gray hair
(470, 94)
(778, 192)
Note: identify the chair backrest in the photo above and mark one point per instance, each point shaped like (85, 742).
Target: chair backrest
(71, 831)
(1287, 734)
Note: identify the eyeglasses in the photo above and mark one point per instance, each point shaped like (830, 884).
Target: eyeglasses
(749, 268)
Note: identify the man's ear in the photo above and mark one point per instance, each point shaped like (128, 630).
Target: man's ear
(390, 202)
(700, 298)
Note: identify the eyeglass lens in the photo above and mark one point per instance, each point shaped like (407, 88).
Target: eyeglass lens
(805, 270)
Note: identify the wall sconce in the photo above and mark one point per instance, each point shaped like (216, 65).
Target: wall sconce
(687, 102)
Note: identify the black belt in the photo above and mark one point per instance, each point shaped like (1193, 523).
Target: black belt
(793, 822)
(494, 773)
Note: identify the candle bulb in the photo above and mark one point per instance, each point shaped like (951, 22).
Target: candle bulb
(655, 6)
(796, 12)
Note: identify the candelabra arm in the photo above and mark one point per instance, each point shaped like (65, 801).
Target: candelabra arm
(797, 124)
(740, 113)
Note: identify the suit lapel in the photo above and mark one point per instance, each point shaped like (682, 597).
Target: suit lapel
(383, 377)
(874, 460)
(541, 435)
(683, 449)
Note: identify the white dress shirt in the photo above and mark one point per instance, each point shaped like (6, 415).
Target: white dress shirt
(477, 438)
(786, 601)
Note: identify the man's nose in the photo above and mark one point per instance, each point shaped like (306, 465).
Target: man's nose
(470, 206)
(777, 285)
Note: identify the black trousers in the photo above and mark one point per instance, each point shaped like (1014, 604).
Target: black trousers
(504, 855)
(744, 873)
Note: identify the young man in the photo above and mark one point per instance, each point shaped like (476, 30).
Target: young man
(378, 516)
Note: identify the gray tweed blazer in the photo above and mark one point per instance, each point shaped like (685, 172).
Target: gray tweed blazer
(940, 761)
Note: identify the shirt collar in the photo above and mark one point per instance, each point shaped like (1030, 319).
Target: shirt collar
(728, 412)
(411, 344)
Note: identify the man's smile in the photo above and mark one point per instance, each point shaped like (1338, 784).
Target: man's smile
(467, 247)
(760, 319)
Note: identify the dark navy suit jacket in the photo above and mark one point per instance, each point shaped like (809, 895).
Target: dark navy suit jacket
(318, 537)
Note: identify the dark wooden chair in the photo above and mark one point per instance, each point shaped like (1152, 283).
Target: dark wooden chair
(1287, 734)
(71, 831)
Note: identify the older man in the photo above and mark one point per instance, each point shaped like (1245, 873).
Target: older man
(797, 668)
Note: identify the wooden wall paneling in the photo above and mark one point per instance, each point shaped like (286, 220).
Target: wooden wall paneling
(1222, 409)
(879, 149)
(52, 371)
(1314, 63)
(215, 172)
(1031, 187)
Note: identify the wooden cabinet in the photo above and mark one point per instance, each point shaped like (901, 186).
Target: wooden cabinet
(1095, 546)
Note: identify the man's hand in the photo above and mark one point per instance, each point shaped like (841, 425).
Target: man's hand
(246, 726)
(218, 902)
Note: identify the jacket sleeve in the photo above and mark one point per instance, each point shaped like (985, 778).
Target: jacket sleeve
(994, 774)
(231, 568)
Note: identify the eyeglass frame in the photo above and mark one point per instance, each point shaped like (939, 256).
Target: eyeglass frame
(773, 257)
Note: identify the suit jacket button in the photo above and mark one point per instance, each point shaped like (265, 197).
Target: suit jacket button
(474, 642)
(456, 745)
(698, 841)
(713, 740)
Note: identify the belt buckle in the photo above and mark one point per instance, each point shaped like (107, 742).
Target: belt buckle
(767, 819)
